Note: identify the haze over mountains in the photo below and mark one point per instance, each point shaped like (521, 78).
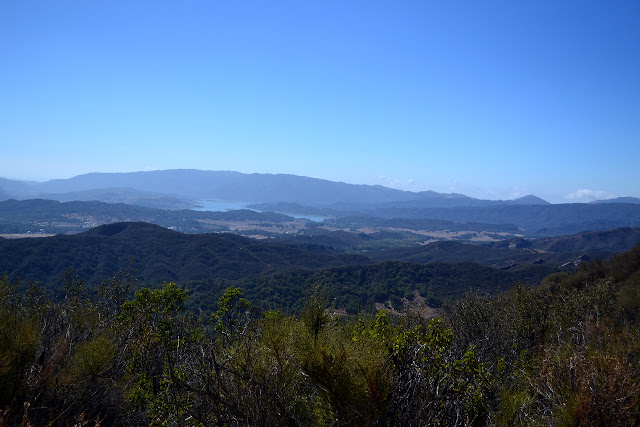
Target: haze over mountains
(619, 200)
(375, 247)
(180, 188)
(192, 185)
(290, 194)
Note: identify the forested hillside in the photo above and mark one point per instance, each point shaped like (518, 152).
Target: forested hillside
(157, 254)
(277, 273)
(564, 353)
(273, 274)
(358, 287)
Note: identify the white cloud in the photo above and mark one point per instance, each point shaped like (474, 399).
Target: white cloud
(488, 192)
(409, 184)
(586, 195)
(516, 192)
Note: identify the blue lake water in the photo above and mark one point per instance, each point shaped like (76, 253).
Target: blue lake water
(219, 206)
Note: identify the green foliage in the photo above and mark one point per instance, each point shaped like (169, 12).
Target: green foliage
(150, 322)
(19, 341)
(563, 353)
(568, 350)
(360, 286)
(231, 308)
(92, 359)
(314, 313)
(353, 376)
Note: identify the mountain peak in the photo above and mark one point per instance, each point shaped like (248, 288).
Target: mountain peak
(529, 199)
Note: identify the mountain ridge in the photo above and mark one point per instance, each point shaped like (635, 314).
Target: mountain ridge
(633, 200)
(158, 253)
(235, 186)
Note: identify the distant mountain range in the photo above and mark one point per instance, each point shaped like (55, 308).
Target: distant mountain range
(183, 187)
(290, 194)
(633, 200)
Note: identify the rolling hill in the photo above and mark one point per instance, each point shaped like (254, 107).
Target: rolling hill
(158, 255)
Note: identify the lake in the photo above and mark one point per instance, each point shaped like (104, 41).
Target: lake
(218, 206)
(223, 206)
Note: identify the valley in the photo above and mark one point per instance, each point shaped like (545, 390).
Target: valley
(345, 214)
(376, 272)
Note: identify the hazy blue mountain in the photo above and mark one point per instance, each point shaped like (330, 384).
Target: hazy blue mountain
(543, 220)
(634, 200)
(192, 184)
(526, 200)
(128, 196)
(432, 199)
(232, 186)
(15, 189)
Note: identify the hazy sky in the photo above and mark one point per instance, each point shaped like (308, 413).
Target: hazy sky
(494, 99)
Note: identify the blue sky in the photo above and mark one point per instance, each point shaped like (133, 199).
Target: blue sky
(491, 99)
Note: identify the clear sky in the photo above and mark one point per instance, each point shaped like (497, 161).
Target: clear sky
(493, 99)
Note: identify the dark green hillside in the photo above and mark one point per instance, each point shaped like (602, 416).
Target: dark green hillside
(451, 251)
(159, 255)
(277, 273)
(556, 250)
(273, 274)
(524, 260)
(351, 241)
(563, 353)
(359, 286)
(615, 240)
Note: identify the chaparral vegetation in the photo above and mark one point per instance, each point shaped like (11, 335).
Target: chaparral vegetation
(565, 352)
